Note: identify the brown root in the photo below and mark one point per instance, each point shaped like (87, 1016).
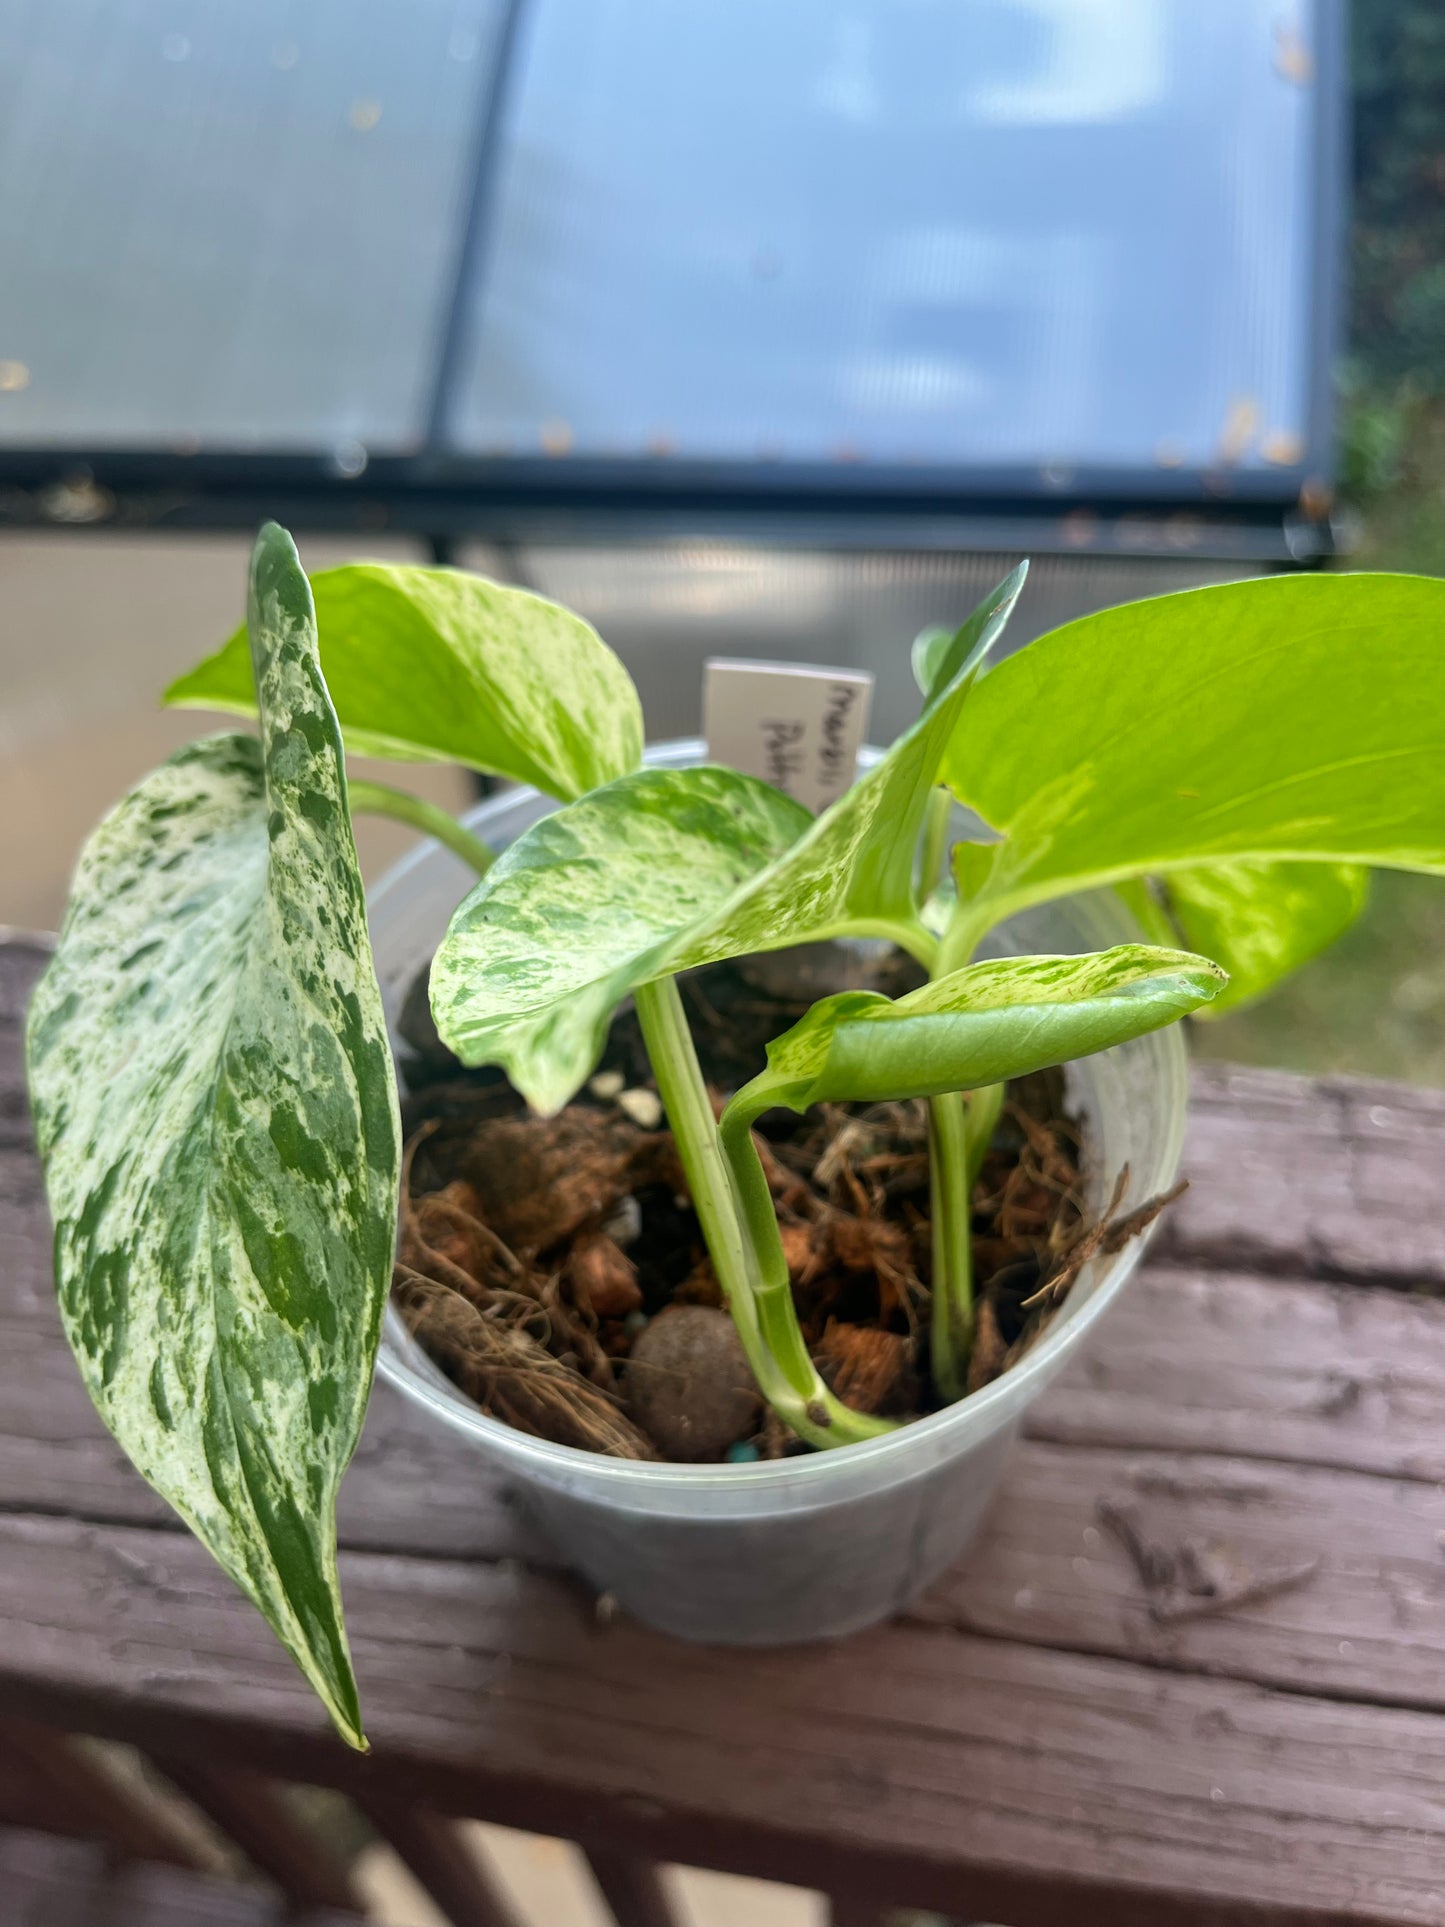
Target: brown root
(869, 1369)
(510, 1376)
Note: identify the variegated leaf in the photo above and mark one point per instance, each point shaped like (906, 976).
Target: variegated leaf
(216, 1112)
(664, 870)
(439, 665)
(587, 904)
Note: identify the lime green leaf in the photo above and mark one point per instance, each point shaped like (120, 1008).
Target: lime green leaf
(436, 665)
(216, 1111)
(975, 1027)
(664, 870)
(1297, 717)
(588, 903)
(1260, 920)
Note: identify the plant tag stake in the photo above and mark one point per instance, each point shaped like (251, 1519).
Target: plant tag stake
(797, 727)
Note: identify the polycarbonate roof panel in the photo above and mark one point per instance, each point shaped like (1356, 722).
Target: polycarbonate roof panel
(1036, 234)
(227, 225)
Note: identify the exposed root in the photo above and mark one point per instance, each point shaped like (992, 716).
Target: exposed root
(510, 1376)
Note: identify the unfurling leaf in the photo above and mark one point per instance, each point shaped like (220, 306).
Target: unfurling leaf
(665, 870)
(1292, 718)
(437, 665)
(976, 1026)
(216, 1112)
(940, 655)
(1260, 920)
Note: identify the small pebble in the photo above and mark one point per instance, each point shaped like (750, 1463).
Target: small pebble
(606, 1085)
(690, 1386)
(624, 1226)
(644, 1107)
(743, 1453)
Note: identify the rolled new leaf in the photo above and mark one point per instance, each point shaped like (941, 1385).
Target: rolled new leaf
(664, 870)
(216, 1113)
(941, 655)
(438, 665)
(980, 1025)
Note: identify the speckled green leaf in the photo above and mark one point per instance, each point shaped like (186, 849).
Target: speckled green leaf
(1295, 718)
(658, 873)
(976, 1026)
(216, 1113)
(438, 665)
(588, 903)
(1260, 920)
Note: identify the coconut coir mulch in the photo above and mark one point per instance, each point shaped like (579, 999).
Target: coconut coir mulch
(555, 1271)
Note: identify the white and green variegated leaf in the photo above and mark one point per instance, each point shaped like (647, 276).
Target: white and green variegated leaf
(215, 1109)
(1295, 718)
(438, 665)
(974, 1027)
(588, 903)
(1260, 920)
(627, 886)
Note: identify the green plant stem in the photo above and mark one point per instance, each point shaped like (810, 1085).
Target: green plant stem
(958, 1136)
(908, 933)
(935, 842)
(968, 925)
(985, 1107)
(741, 1229)
(825, 1419)
(950, 1205)
(379, 799)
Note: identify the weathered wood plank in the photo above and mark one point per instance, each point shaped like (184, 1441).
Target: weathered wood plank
(919, 1764)
(1326, 1177)
(1103, 1748)
(1263, 1368)
(1322, 1581)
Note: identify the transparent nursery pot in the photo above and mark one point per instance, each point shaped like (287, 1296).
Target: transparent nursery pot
(823, 1544)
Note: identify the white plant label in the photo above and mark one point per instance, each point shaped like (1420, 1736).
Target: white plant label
(797, 727)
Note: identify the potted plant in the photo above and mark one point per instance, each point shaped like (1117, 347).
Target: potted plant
(216, 1105)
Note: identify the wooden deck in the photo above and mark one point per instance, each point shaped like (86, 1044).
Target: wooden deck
(1194, 1673)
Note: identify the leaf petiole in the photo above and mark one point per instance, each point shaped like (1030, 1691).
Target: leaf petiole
(935, 842)
(735, 1210)
(951, 1323)
(812, 1410)
(380, 799)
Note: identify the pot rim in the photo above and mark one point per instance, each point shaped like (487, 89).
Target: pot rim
(798, 1475)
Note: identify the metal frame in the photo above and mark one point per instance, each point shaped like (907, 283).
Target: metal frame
(443, 495)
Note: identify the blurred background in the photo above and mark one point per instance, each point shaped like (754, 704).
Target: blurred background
(768, 329)
(743, 328)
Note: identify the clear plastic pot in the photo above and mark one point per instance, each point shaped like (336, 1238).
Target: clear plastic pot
(828, 1543)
